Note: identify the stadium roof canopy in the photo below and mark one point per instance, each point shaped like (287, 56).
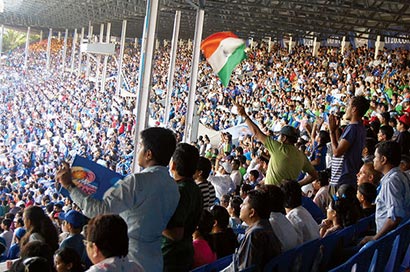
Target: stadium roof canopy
(247, 18)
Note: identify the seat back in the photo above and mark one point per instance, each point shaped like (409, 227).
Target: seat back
(218, 265)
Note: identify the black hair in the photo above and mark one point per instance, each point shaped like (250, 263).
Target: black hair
(161, 142)
(205, 225)
(205, 166)
(388, 131)
(259, 201)
(221, 216)
(348, 211)
(370, 144)
(361, 104)
(235, 204)
(246, 188)
(391, 150)
(186, 158)
(368, 191)
(276, 198)
(254, 173)
(323, 178)
(70, 256)
(100, 230)
(292, 192)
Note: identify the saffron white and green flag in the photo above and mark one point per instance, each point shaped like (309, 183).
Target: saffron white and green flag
(223, 51)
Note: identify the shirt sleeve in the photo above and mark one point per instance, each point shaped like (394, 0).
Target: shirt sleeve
(120, 198)
(349, 134)
(394, 200)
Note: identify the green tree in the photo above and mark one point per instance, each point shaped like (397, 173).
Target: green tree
(13, 39)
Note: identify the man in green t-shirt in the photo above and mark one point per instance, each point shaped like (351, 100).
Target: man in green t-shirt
(286, 160)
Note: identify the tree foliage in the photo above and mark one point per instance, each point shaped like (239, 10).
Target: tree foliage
(13, 39)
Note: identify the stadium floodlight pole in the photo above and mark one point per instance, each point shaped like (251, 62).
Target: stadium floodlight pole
(144, 79)
(171, 69)
(122, 46)
(191, 125)
(97, 74)
(1, 39)
(64, 52)
(90, 36)
(73, 50)
(26, 49)
(104, 73)
(50, 34)
(80, 55)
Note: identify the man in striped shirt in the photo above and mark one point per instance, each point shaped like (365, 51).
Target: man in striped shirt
(201, 178)
(347, 150)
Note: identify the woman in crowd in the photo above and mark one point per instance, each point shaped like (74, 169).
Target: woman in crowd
(39, 228)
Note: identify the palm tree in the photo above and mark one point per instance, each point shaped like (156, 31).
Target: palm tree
(13, 39)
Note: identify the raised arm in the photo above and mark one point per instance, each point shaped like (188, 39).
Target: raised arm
(260, 136)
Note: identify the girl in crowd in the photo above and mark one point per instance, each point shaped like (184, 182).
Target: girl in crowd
(39, 228)
(203, 246)
(67, 260)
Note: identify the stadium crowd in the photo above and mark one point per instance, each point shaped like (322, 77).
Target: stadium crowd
(328, 145)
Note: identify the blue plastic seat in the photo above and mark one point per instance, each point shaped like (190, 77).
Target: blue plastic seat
(393, 255)
(361, 261)
(405, 264)
(300, 258)
(218, 265)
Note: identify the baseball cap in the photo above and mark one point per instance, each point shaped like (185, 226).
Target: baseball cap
(73, 217)
(289, 131)
(227, 166)
(405, 119)
(20, 232)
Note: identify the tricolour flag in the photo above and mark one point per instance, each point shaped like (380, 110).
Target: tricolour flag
(223, 51)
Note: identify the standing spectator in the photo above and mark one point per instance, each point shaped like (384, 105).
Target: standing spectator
(177, 245)
(281, 153)
(108, 252)
(146, 200)
(203, 170)
(393, 200)
(347, 151)
(222, 181)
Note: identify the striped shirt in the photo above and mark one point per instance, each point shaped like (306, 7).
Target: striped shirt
(208, 194)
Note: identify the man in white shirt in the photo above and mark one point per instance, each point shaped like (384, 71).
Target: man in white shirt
(222, 181)
(306, 227)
